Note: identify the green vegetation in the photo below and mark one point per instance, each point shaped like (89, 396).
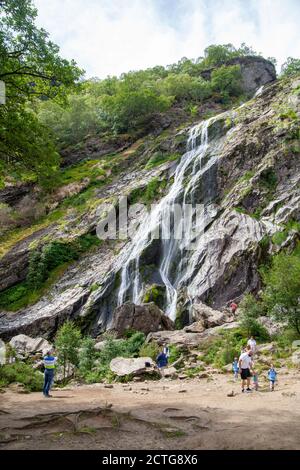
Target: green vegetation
(282, 288)
(46, 265)
(21, 373)
(222, 349)
(153, 190)
(159, 158)
(150, 350)
(227, 82)
(280, 296)
(113, 348)
(290, 67)
(155, 294)
(67, 342)
(250, 311)
(32, 70)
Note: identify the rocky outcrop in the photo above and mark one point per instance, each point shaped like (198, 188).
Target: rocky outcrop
(256, 72)
(12, 195)
(187, 338)
(209, 317)
(25, 345)
(145, 318)
(136, 366)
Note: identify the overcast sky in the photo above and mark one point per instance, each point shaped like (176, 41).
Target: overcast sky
(108, 37)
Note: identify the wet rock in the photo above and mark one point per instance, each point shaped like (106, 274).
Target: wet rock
(145, 318)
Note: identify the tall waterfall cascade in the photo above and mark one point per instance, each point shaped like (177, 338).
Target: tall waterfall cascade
(163, 219)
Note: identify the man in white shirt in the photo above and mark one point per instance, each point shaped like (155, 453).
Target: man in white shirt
(245, 364)
(252, 344)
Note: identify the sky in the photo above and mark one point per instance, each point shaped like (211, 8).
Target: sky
(109, 37)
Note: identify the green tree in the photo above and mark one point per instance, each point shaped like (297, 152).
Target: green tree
(86, 355)
(31, 67)
(290, 67)
(67, 343)
(184, 87)
(281, 296)
(250, 310)
(227, 81)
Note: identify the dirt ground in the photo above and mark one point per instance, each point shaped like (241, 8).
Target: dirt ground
(166, 414)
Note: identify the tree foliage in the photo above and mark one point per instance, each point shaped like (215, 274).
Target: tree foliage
(290, 67)
(281, 296)
(67, 344)
(31, 68)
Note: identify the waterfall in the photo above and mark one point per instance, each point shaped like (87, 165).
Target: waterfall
(182, 191)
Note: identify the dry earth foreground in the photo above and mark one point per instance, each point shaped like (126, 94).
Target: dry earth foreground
(208, 413)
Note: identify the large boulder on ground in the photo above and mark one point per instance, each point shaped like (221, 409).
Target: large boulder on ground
(208, 316)
(136, 366)
(26, 345)
(145, 318)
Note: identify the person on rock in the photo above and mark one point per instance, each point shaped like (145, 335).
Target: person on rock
(245, 365)
(233, 307)
(49, 364)
(252, 344)
(162, 362)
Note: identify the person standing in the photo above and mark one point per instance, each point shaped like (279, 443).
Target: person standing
(235, 368)
(162, 362)
(49, 364)
(272, 374)
(252, 344)
(245, 364)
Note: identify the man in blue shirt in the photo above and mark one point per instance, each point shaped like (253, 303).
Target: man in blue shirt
(162, 362)
(49, 364)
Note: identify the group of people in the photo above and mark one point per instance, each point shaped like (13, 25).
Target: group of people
(245, 367)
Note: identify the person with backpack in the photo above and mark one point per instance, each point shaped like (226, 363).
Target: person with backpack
(49, 365)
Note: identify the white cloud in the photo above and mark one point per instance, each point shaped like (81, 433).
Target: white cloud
(108, 37)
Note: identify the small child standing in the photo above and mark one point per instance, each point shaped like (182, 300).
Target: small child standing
(255, 380)
(272, 374)
(235, 368)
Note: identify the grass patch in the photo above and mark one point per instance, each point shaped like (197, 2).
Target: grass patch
(159, 158)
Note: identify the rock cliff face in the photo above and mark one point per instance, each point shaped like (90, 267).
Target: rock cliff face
(256, 72)
(248, 180)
